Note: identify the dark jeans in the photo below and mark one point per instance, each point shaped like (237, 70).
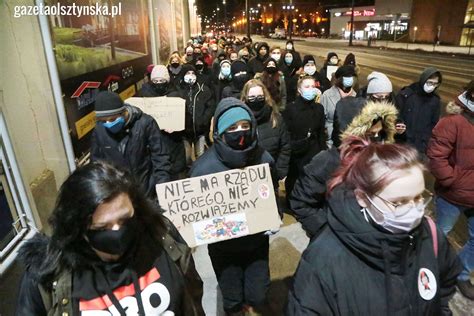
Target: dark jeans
(243, 276)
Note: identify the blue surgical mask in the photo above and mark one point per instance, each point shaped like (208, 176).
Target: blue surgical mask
(288, 60)
(116, 125)
(225, 72)
(347, 82)
(309, 94)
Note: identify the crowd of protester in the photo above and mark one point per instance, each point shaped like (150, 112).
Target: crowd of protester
(353, 160)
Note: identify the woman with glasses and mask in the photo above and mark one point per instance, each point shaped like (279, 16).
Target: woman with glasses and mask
(305, 121)
(272, 133)
(376, 121)
(111, 252)
(419, 105)
(378, 254)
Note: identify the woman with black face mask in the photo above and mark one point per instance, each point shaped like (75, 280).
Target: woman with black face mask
(202, 71)
(240, 75)
(272, 133)
(109, 252)
(175, 63)
(241, 265)
(274, 81)
(158, 85)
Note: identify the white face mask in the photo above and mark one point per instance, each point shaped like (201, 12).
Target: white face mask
(190, 78)
(405, 222)
(310, 70)
(428, 89)
(289, 47)
(334, 60)
(276, 56)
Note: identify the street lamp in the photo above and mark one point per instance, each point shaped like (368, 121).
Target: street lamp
(414, 33)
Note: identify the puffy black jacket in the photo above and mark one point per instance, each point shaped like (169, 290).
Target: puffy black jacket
(275, 140)
(291, 78)
(308, 195)
(140, 148)
(346, 109)
(352, 268)
(419, 110)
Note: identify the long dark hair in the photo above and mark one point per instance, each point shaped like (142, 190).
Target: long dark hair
(272, 81)
(79, 196)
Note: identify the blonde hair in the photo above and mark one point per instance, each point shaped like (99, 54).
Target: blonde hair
(173, 56)
(268, 98)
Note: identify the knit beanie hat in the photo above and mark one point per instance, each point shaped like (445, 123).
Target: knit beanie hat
(160, 72)
(230, 117)
(330, 55)
(107, 104)
(224, 62)
(345, 71)
(308, 58)
(378, 83)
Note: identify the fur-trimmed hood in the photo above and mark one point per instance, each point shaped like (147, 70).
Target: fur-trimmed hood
(371, 112)
(453, 108)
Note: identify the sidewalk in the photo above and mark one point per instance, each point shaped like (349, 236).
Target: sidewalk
(395, 45)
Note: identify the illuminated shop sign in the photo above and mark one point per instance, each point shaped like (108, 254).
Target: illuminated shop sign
(356, 13)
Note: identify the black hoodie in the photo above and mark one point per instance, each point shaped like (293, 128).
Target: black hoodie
(256, 63)
(353, 268)
(420, 111)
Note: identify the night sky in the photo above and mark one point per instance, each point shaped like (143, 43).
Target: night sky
(205, 7)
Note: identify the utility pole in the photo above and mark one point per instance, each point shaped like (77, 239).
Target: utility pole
(247, 17)
(352, 24)
(225, 12)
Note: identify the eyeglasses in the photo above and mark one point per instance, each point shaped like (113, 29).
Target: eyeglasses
(424, 198)
(432, 83)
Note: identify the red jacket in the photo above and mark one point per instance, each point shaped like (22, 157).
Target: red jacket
(451, 153)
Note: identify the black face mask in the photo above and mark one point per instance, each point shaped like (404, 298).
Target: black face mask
(245, 57)
(256, 104)
(161, 88)
(271, 70)
(239, 140)
(114, 242)
(199, 67)
(175, 65)
(240, 81)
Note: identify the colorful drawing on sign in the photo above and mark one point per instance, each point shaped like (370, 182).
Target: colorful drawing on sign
(264, 191)
(220, 228)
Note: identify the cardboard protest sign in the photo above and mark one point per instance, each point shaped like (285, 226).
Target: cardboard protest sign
(330, 70)
(222, 205)
(168, 112)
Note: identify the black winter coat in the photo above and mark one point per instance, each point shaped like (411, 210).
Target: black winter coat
(419, 111)
(200, 106)
(256, 63)
(291, 78)
(346, 109)
(173, 141)
(305, 122)
(309, 193)
(139, 148)
(352, 268)
(275, 140)
(219, 88)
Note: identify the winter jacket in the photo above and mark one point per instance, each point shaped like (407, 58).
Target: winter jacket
(353, 268)
(54, 296)
(419, 111)
(275, 140)
(139, 147)
(329, 100)
(281, 80)
(219, 88)
(199, 107)
(309, 193)
(291, 78)
(220, 157)
(231, 91)
(173, 141)
(256, 63)
(451, 153)
(305, 122)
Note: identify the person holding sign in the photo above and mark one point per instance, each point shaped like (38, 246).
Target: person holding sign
(128, 138)
(111, 252)
(378, 254)
(241, 264)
